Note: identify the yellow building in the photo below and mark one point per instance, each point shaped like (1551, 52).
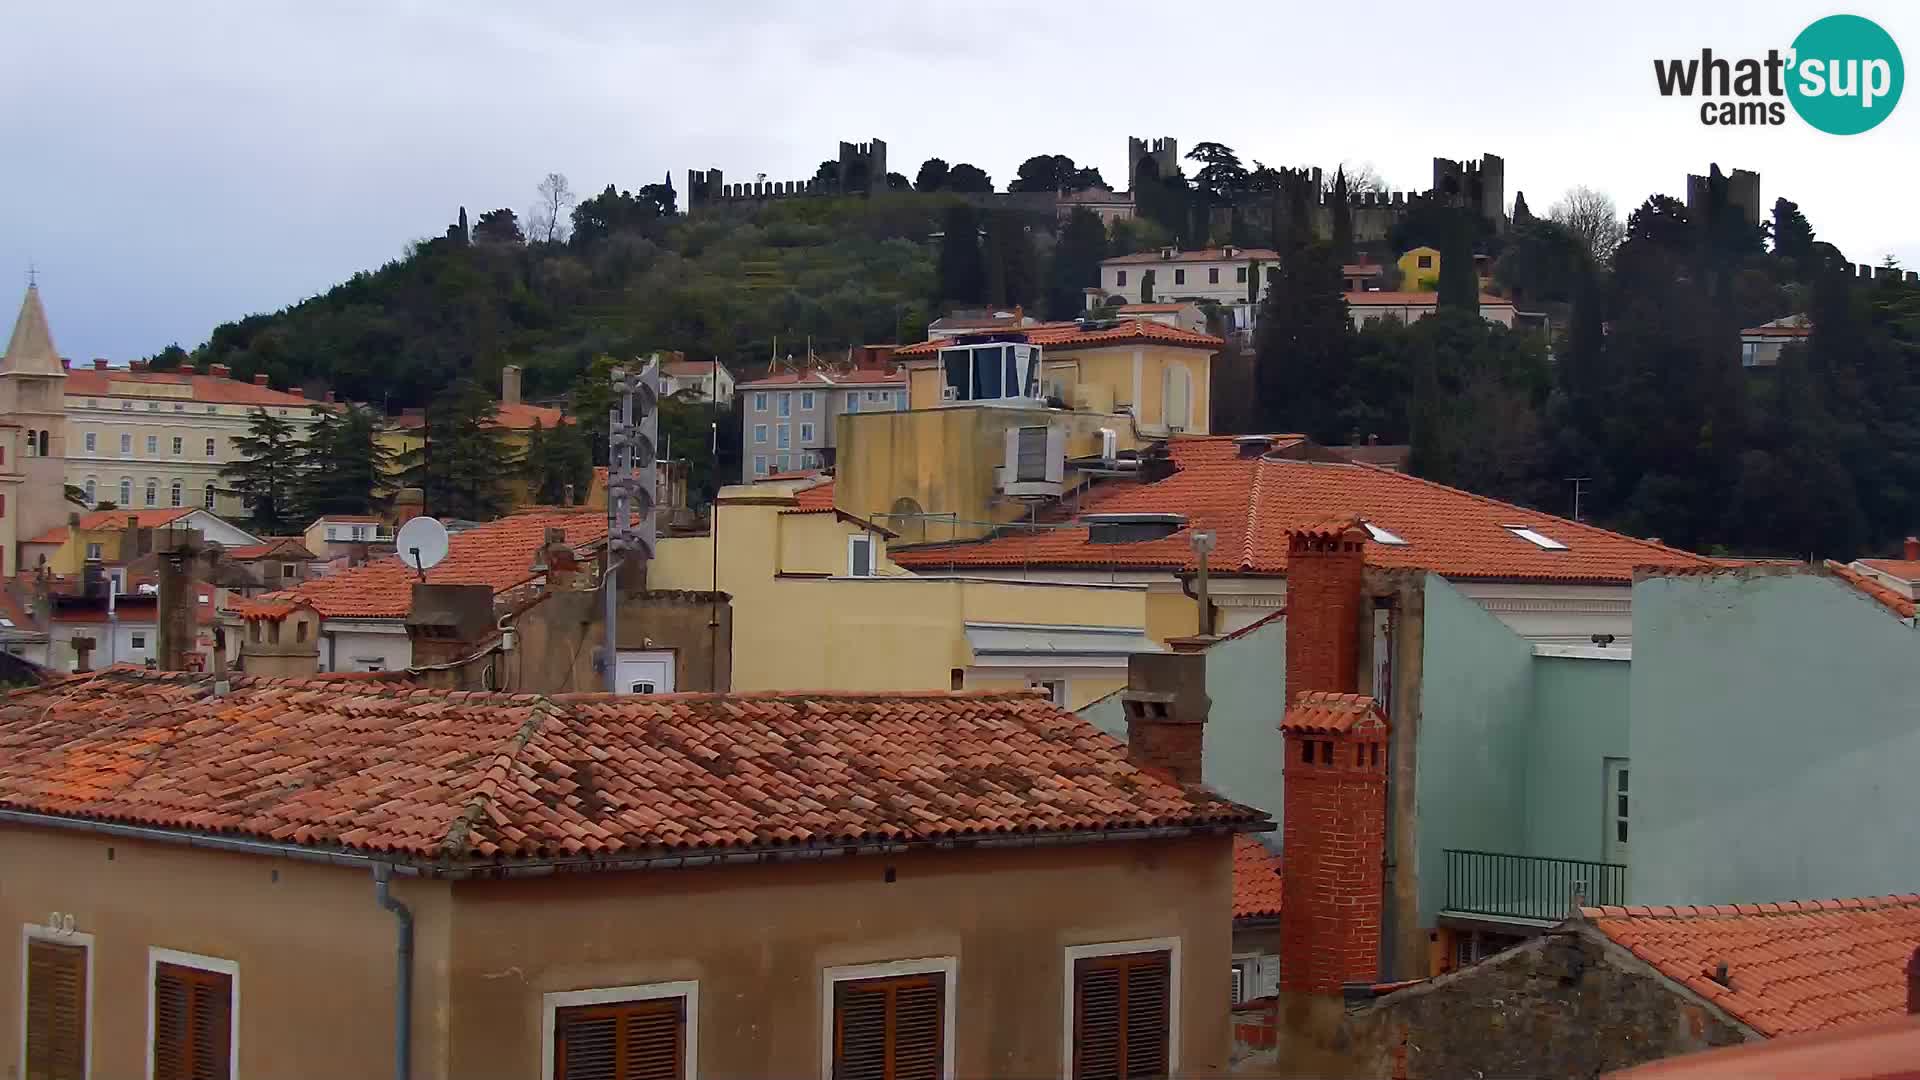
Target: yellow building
(1083, 397)
(818, 605)
(113, 537)
(513, 418)
(1420, 270)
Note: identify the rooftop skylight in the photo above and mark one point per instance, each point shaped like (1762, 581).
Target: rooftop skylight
(1537, 539)
(1382, 536)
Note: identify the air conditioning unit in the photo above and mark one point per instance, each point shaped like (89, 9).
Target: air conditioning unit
(1036, 462)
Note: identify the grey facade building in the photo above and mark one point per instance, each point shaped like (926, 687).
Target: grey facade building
(788, 420)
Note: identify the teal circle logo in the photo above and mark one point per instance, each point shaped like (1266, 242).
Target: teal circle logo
(1846, 74)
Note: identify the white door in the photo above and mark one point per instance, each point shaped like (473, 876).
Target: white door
(1617, 811)
(645, 672)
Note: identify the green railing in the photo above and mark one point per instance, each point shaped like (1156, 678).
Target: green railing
(1528, 887)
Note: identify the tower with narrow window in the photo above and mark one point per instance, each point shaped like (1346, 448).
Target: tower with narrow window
(33, 477)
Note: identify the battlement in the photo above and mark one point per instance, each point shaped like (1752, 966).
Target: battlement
(1163, 152)
(1743, 191)
(862, 170)
(1864, 274)
(1477, 185)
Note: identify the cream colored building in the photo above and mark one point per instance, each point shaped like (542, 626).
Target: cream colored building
(130, 436)
(1225, 275)
(33, 434)
(1410, 307)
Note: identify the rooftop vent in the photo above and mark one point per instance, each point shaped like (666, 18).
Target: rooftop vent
(1131, 528)
(1253, 445)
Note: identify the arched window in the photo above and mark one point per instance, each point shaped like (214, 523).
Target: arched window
(43, 444)
(153, 492)
(89, 491)
(126, 492)
(175, 492)
(30, 444)
(209, 496)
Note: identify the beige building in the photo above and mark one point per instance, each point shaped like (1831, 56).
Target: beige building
(1761, 346)
(1224, 275)
(33, 433)
(1409, 307)
(320, 877)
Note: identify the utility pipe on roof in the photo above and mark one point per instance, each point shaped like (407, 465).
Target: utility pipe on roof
(403, 984)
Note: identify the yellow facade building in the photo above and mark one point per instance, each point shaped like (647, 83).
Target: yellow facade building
(818, 605)
(1420, 269)
(513, 418)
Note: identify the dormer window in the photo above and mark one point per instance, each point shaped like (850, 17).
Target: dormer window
(1537, 539)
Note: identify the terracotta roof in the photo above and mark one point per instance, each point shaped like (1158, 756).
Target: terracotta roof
(1791, 967)
(1322, 713)
(803, 379)
(1071, 336)
(1413, 299)
(681, 369)
(458, 778)
(1361, 270)
(1153, 309)
(206, 389)
(789, 475)
(817, 499)
(1256, 879)
(499, 553)
(1880, 594)
(356, 519)
(1777, 331)
(278, 545)
(1212, 254)
(1904, 569)
(1250, 502)
(115, 519)
(1889, 1050)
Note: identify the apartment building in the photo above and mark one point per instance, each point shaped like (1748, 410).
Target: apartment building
(1225, 275)
(790, 418)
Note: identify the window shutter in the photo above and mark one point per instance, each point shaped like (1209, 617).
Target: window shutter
(56, 1011)
(889, 1029)
(1121, 1016)
(628, 1040)
(192, 1023)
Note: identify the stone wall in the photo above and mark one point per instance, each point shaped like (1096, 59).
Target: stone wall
(1567, 1004)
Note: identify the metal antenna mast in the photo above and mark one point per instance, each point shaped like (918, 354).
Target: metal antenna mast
(632, 432)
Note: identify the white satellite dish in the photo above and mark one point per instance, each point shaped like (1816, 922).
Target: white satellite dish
(421, 544)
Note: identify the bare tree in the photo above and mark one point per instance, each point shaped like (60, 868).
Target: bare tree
(548, 221)
(1590, 215)
(1362, 178)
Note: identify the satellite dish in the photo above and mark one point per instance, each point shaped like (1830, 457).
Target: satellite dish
(421, 544)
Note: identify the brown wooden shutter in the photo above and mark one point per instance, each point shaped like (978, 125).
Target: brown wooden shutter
(192, 1023)
(1121, 1016)
(56, 1011)
(890, 1029)
(623, 1040)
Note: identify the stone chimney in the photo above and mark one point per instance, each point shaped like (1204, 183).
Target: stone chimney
(557, 561)
(1334, 805)
(449, 622)
(1166, 705)
(82, 653)
(1910, 550)
(179, 598)
(510, 385)
(1325, 567)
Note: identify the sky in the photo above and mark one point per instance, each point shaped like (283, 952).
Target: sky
(169, 167)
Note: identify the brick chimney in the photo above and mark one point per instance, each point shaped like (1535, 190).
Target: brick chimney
(297, 391)
(510, 385)
(1910, 551)
(1334, 806)
(99, 364)
(260, 379)
(219, 371)
(1325, 567)
(1166, 705)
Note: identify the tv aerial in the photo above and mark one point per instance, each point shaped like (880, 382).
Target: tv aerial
(421, 544)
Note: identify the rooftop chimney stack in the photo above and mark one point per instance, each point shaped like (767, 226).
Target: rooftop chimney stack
(1910, 551)
(82, 653)
(1334, 811)
(260, 379)
(1166, 705)
(510, 385)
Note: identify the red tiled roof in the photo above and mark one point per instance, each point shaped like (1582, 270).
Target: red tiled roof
(206, 389)
(1361, 270)
(1153, 309)
(1212, 254)
(499, 553)
(1412, 299)
(1251, 502)
(1778, 331)
(1904, 569)
(817, 499)
(292, 547)
(115, 519)
(1791, 967)
(1070, 336)
(686, 368)
(1256, 879)
(1889, 1050)
(791, 474)
(856, 377)
(459, 778)
(1880, 594)
(1322, 713)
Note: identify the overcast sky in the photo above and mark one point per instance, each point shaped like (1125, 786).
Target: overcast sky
(169, 167)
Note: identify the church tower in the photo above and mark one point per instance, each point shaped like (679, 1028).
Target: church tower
(33, 432)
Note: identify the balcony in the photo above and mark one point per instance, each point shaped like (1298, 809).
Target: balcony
(1526, 888)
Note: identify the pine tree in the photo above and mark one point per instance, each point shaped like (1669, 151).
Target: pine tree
(555, 460)
(1792, 235)
(464, 466)
(1521, 215)
(963, 272)
(267, 474)
(1342, 218)
(1303, 344)
(1459, 285)
(1076, 263)
(345, 468)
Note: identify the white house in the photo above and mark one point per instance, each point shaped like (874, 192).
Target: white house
(1224, 275)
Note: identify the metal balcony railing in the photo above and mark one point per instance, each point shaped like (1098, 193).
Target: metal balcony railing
(1505, 886)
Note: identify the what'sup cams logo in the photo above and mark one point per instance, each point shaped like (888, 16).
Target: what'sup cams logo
(1843, 75)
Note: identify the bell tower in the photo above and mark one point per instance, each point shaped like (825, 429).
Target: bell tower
(33, 406)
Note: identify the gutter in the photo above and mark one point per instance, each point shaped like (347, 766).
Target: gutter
(403, 982)
(549, 867)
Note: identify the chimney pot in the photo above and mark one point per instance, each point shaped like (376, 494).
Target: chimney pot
(510, 385)
(65, 364)
(219, 371)
(136, 365)
(1325, 570)
(329, 397)
(99, 364)
(297, 391)
(1911, 549)
(260, 379)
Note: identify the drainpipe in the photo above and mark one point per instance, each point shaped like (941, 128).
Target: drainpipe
(403, 987)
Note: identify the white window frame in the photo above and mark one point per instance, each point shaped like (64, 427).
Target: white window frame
(946, 966)
(31, 932)
(95, 551)
(230, 968)
(179, 445)
(784, 434)
(900, 400)
(759, 464)
(1169, 945)
(853, 401)
(1059, 688)
(806, 432)
(153, 444)
(210, 447)
(759, 401)
(126, 444)
(806, 400)
(551, 1004)
(759, 434)
(784, 403)
(89, 437)
(855, 541)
